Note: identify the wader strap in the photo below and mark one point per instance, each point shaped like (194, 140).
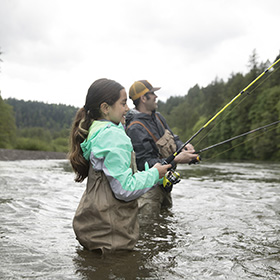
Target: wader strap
(160, 121)
(153, 136)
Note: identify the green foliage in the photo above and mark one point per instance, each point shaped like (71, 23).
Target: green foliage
(266, 110)
(24, 143)
(37, 138)
(38, 114)
(40, 126)
(7, 125)
(38, 133)
(60, 144)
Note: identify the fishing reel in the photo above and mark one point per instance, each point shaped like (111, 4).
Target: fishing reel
(170, 179)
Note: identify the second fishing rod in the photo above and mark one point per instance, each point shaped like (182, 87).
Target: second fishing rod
(238, 136)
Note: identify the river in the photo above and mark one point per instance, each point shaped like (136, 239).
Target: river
(224, 224)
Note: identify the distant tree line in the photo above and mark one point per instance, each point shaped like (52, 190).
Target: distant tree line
(39, 126)
(33, 125)
(38, 114)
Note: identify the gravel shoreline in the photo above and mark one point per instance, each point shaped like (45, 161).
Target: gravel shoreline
(11, 155)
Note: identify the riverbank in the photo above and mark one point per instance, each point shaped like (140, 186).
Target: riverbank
(10, 155)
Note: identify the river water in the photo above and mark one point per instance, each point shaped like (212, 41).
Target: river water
(224, 224)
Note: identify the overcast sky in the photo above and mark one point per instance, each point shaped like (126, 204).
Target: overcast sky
(53, 50)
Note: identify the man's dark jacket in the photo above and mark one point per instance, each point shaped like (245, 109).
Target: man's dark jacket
(143, 143)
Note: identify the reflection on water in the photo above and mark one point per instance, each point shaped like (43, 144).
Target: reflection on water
(224, 224)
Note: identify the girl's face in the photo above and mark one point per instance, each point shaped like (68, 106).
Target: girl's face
(117, 112)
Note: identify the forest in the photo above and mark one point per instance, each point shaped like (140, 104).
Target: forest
(35, 125)
(32, 125)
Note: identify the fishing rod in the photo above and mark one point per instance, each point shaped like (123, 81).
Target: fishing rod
(236, 137)
(171, 157)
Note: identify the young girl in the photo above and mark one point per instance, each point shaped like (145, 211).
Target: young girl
(106, 218)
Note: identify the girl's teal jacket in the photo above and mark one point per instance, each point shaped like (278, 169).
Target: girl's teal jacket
(109, 150)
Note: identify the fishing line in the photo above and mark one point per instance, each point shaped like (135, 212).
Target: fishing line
(233, 147)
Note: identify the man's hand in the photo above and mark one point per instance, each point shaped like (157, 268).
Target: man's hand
(185, 156)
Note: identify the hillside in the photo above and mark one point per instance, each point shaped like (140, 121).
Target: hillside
(54, 117)
(32, 125)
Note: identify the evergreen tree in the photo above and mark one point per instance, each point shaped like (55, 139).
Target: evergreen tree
(38, 114)
(7, 125)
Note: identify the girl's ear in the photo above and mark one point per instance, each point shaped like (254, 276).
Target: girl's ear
(104, 108)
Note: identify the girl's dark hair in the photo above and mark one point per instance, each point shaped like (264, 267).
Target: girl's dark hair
(102, 90)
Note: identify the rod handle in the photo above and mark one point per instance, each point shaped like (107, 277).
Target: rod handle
(196, 160)
(170, 158)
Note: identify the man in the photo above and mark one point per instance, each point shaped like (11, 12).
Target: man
(153, 141)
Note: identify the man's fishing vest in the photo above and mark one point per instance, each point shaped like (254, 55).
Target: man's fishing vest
(165, 144)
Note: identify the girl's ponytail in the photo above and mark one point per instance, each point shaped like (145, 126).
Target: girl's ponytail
(78, 134)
